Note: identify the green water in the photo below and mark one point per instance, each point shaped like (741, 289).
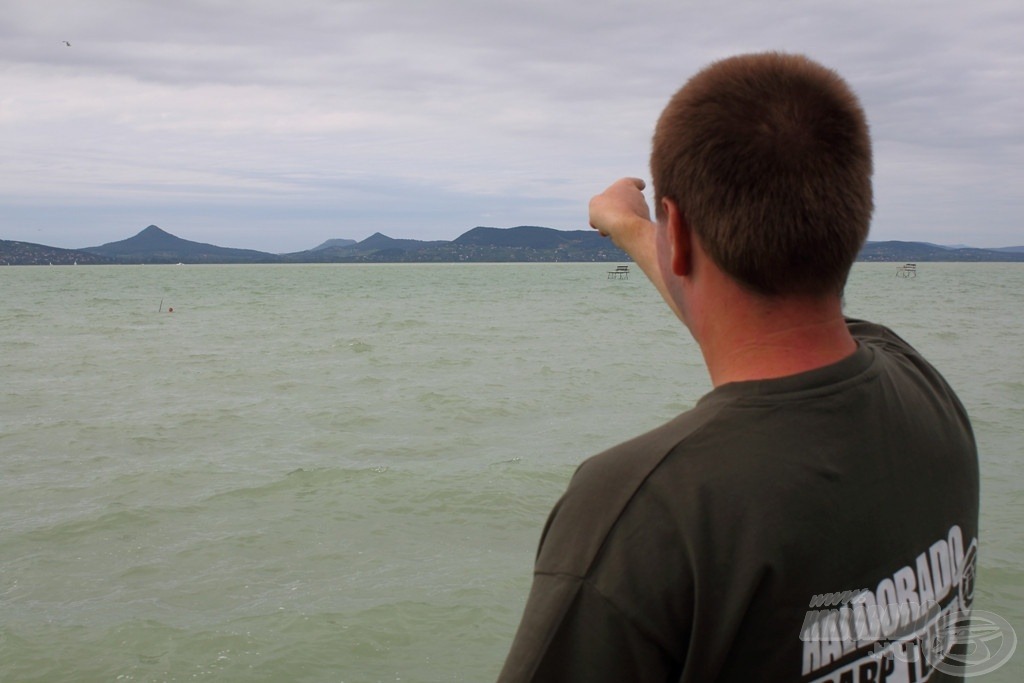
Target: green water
(340, 473)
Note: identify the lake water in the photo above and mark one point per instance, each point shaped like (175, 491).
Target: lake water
(340, 472)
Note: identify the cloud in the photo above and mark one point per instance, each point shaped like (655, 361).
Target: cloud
(428, 117)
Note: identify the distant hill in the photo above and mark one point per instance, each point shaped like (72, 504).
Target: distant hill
(525, 243)
(153, 245)
(529, 236)
(920, 251)
(378, 242)
(377, 248)
(333, 243)
(533, 243)
(29, 254)
(481, 244)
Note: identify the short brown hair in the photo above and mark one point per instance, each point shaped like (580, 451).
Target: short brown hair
(768, 157)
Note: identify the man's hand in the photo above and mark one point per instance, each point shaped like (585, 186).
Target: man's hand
(621, 212)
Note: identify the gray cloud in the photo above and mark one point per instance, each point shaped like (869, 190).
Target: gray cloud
(277, 125)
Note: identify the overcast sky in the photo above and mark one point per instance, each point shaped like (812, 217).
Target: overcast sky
(278, 124)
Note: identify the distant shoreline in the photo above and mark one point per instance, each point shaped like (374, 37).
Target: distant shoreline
(522, 244)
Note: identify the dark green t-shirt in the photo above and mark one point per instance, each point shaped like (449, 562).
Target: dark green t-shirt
(820, 526)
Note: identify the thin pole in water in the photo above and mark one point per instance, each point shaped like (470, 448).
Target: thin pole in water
(160, 310)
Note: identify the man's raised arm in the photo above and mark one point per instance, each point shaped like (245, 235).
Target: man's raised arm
(621, 213)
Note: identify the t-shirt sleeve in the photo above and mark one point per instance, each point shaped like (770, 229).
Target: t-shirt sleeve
(570, 632)
(596, 609)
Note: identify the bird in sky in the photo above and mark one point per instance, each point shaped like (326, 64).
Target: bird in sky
(66, 43)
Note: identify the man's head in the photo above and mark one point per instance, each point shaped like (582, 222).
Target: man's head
(768, 158)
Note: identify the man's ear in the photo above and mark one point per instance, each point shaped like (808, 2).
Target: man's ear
(680, 239)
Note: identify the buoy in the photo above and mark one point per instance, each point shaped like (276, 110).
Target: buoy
(170, 310)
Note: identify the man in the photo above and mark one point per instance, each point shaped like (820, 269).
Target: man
(814, 517)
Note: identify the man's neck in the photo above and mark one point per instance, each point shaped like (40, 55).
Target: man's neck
(757, 339)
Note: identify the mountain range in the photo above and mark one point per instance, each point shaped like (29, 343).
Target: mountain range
(153, 245)
(481, 244)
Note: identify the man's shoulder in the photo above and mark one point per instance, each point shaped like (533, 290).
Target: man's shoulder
(636, 457)
(900, 354)
(601, 490)
(878, 336)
